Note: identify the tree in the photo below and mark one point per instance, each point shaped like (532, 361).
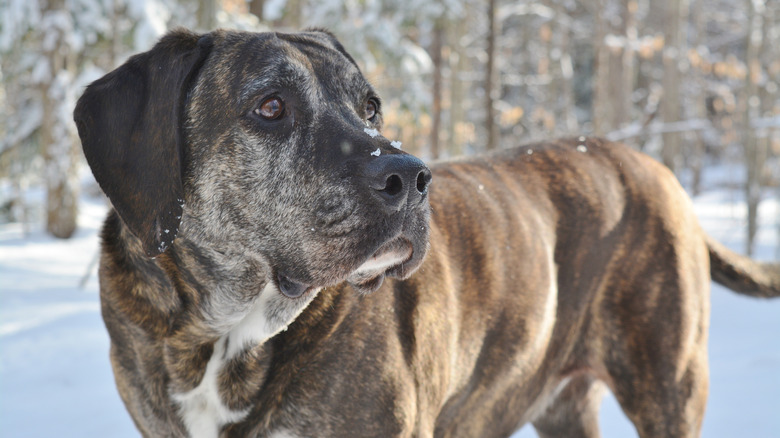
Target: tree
(256, 8)
(207, 14)
(48, 51)
(491, 74)
(457, 96)
(670, 103)
(616, 36)
(755, 154)
(438, 67)
(60, 150)
(561, 24)
(696, 161)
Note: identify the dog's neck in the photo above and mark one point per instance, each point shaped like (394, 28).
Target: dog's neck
(232, 321)
(213, 336)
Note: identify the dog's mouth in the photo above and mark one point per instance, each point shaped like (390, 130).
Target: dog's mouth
(362, 258)
(369, 276)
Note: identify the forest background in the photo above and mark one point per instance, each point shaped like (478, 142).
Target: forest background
(692, 82)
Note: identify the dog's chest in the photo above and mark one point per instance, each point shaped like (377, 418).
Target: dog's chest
(203, 409)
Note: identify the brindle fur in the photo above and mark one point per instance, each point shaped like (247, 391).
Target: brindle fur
(554, 269)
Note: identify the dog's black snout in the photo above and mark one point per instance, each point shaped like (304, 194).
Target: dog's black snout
(398, 179)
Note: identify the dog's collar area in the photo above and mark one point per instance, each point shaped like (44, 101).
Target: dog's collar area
(290, 288)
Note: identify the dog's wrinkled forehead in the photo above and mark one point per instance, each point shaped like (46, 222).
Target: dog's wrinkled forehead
(314, 63)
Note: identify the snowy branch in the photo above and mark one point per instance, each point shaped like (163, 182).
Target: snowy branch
(636, 129)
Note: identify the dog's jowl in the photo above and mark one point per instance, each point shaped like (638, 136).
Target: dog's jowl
(274, 267)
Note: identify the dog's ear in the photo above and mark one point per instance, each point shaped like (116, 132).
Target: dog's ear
(130, 124)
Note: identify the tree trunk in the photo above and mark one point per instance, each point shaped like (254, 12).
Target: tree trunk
(560, 93)
(256, 8)
(627, 64)
(600, 109)
(60, 151)
(457, 63)
(670, 103)
(770, 99)
(614, 69)
(564, 28)
(436, 58)
(545, 71)
(491, 126)
(293, 14)
(696, 161)
(207, 14)
(754, 156)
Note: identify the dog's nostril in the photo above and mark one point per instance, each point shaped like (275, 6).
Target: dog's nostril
(423, 179)
(398, 179)
(393, 185)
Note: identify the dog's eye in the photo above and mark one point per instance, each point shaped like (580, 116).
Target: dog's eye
(371, 109)
(271, 108)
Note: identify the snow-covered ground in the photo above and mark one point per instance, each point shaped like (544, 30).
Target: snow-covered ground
(55, 378)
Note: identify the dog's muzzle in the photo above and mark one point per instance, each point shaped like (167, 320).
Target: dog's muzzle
(397, 181)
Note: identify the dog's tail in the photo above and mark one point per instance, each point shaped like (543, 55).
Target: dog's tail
(742, 274)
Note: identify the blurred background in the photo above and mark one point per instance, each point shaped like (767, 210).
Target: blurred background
(692, 82)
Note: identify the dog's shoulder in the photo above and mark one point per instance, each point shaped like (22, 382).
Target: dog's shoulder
(132, 285)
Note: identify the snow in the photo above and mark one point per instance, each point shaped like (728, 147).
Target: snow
(16, 18)
(371, 132)
(273, 9)
(54, 348)
(152, 16)
(376, 153)
(396, 144)
(53, 345)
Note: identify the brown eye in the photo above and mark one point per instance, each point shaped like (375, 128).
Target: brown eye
(271, 108)
(371, 109)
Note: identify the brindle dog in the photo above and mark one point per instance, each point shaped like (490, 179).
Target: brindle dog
(249, 183)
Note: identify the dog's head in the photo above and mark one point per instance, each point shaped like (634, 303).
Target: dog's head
(264, 146)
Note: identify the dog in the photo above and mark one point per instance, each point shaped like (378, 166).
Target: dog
(275, 267)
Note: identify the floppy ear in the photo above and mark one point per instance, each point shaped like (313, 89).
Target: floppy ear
(130, 124)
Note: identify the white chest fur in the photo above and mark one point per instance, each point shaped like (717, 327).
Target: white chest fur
(201, 408)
